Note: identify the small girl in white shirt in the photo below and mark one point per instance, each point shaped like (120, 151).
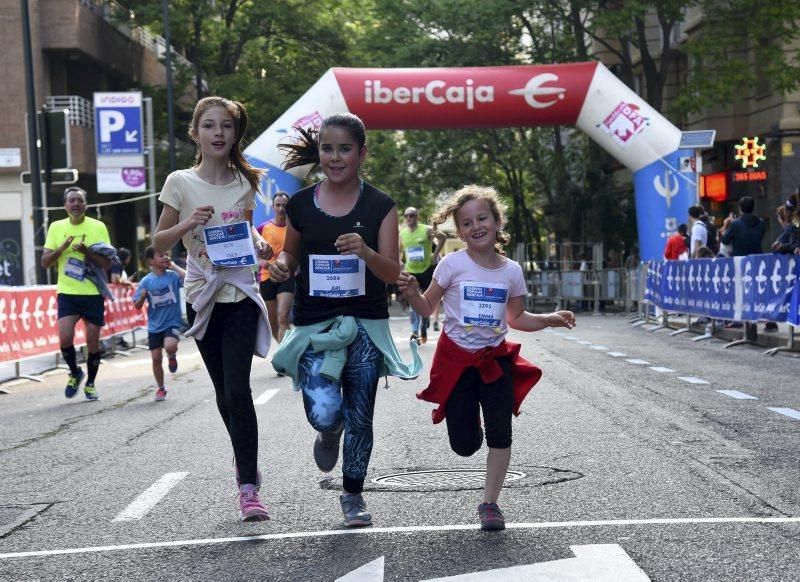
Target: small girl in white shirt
(474, 368)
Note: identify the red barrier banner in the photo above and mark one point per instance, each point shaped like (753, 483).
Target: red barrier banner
(29, 320)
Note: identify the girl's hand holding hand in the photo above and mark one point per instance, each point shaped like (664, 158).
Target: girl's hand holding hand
(263, 250)
(561, 319)
(407, 283)
(201, 216)
(353, 244)
(278, 272)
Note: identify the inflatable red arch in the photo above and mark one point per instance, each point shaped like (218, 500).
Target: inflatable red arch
(585, 95)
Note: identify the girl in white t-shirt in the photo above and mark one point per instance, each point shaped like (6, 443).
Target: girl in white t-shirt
(215, 198)
(474, 368)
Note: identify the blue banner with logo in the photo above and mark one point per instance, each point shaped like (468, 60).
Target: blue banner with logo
(664, 191)
(768, 283)
(758, 287)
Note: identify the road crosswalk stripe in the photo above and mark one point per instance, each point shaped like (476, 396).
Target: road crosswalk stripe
(148, 499)
(790, 412)
(265, 396)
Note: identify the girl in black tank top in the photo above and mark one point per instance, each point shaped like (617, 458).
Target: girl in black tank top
(342, 234)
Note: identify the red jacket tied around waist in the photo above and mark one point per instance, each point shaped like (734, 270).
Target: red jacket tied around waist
(450, 361)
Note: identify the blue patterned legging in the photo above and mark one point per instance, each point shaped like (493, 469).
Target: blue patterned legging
(328, 404)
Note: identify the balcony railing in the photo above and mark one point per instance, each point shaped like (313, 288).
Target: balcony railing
(123, 20)
(81, 110)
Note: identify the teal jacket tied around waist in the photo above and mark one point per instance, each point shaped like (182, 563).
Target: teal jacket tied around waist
(332, 336)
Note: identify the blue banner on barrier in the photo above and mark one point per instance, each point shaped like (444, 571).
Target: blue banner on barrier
(768, 282)
(758, 287)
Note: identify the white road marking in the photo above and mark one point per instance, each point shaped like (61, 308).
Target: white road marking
(596, 562)
(406, 529)
(148, 499)
(736, 394)
(148, 361)
(371, 572)
(638, 362)
(265, 396)
(584, 342)
(572, 338)
(600, 348)
(617, 355)
(661, 369)
(790, 412)
(693, 380)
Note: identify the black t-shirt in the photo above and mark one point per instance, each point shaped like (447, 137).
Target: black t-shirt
(318, 231)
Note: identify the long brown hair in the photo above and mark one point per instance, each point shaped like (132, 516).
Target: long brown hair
(239, 114)
(474, 192)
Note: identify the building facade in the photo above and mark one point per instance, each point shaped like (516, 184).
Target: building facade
(764, 123)
(79, 47)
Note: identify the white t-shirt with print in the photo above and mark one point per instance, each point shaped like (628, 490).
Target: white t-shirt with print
(476, 299)
(184, 191)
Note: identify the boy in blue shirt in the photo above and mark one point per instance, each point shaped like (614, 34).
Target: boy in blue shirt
(161, 289)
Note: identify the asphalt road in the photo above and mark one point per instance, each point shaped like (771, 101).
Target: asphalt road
(625, 467)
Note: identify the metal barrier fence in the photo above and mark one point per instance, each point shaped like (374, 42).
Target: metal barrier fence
(588, 290)
(707, 327)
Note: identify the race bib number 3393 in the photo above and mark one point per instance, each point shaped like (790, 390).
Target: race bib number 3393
(483, 304)
(336, 276)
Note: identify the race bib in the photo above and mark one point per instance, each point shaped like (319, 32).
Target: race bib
(230, 245)
(483, 304)
(162, 297)
(75, 268)
(415, 254)
(336, 276)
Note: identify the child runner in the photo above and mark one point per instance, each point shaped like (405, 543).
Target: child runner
(227, 316)
(474, 367)
(161, 289)
(342, 234)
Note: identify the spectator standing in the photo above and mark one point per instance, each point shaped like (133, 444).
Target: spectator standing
(279, 297)
(415, 243)
(789, 241)
(69, 246)
(676, 244)
(744, 233)
(698, 230)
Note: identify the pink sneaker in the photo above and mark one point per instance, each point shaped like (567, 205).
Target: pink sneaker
(250, 506)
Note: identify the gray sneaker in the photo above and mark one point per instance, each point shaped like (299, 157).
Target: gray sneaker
(326, 449)
(354, 509)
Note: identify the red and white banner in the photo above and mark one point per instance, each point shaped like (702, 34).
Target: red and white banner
(468, 96)
(29, 320)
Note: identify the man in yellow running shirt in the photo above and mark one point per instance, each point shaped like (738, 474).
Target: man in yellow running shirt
(68, 246)
(415, 242)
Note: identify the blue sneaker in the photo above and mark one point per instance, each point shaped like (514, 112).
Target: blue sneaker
(73, 384)
(90, 392)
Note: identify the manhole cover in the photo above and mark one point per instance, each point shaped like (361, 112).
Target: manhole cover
(442, 478)
(456, 479)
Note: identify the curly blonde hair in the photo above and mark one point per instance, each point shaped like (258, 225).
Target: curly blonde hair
(474, 192)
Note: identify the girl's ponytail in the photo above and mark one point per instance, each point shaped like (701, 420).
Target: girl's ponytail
(304, 151)
(249, 171)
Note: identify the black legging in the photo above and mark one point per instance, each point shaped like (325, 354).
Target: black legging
(464, 406)
(227, 351)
